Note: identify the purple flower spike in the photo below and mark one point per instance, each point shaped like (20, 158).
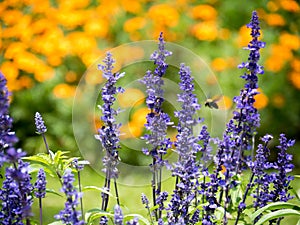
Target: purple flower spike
(69, 215)
(284, 166)
(7, 136)
(39, 123)
(109, 133)
(118, 216)
(40, 184)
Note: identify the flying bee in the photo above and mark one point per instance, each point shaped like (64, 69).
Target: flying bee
(212, 103)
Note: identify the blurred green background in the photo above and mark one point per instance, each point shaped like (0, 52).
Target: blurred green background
(46, 47)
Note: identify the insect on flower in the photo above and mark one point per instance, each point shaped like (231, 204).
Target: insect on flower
(212, 102)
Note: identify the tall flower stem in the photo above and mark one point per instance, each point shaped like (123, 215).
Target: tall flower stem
(157, 120)
(109, 132)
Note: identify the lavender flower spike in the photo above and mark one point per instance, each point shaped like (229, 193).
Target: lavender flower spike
(7, 136)
(69, 215)
(109, 133)
(118, 216)
(40, 184)
(39, 124)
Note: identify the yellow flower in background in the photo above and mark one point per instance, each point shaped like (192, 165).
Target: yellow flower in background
(97, 27)
(290, 41)
(204, 12)
(164, 14)
(139, 116)
(295, 79)
(64, 91)
(80, 42)
(205, 31)
(134, 24)
(274, 19)
(290, 5)
(244, 37)
(261, 100)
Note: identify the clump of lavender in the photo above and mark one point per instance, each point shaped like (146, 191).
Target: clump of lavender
(241, 129)
(157, 120)
(7, 136)
(40, 190)
(15, 194)
(69, 215)
(283, 165)
(186, 169)
(259, 177)
(109, 133)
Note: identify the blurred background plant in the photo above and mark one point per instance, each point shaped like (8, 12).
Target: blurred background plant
(46, 46)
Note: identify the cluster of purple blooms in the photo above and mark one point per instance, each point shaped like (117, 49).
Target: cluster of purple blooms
(199, 190)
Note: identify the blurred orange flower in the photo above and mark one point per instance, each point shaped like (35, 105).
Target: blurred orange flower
(164, 14)
(261, 100)
(131, 6)
(295, 79)
(206, 30)
(134, 24)
(64, 91)
(204, 12)
(96, 27)
(274, 19)
(295, 64)
(290, 5)
(219, 64)
(290, 41)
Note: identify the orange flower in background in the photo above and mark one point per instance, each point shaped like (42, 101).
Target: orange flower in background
(204, 12)
(274, 19)
(295, 79)
(261, 100)
(290, 5)
(134, 24)
(272, 6)
(290, 41)
(131, 6)
(219, 64)
(225, 103)
(80, 42)
(164, 15)
(96, 27)
(244, 37)
(279, 56)
(139, 116)
(295, 64)
(205, 31)
(64, 91)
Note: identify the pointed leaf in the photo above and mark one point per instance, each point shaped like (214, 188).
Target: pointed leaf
(94, 188)
(277, 214)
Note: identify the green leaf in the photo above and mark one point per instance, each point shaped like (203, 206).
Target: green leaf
(51, 191)
(274, 206)
(95, 188)
(277, 214)
(56, 223)
(140, 217)
(96, 213)
(298, 223)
